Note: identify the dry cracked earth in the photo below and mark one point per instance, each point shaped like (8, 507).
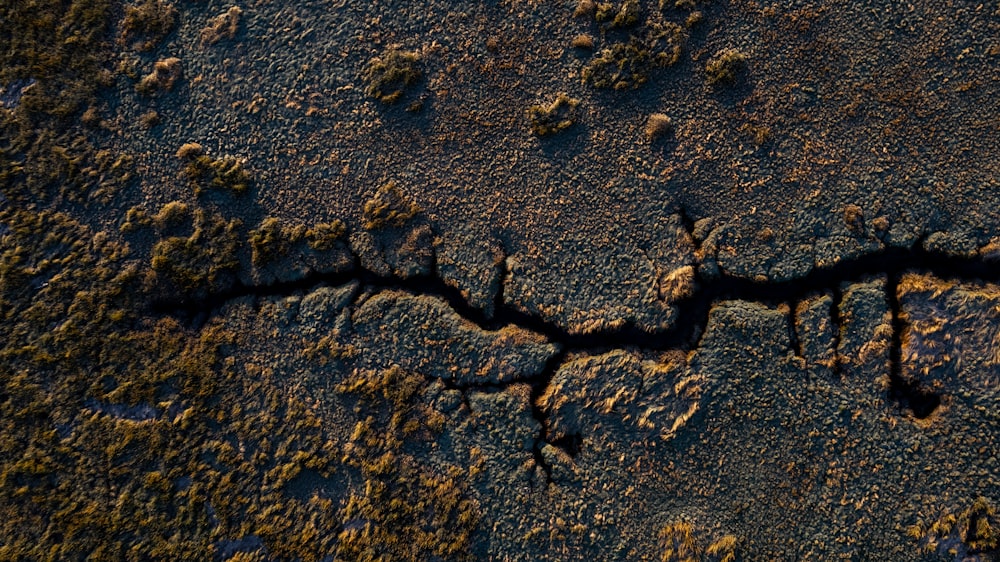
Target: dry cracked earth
(499, 280)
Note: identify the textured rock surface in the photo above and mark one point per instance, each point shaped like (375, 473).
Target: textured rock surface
(593, 284)
(299, 281)
(951, 339)
(425, 335)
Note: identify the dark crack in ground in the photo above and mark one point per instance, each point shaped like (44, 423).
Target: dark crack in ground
(890, 264)
(324, 281)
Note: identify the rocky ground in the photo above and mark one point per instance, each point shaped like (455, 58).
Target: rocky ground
(499, 280)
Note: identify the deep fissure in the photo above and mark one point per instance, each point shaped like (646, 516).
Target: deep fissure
(684, 335)
(908, 394)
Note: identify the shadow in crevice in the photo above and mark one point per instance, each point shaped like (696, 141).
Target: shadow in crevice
(907, 394)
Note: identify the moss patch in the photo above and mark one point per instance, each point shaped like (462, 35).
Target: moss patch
(390, 206)
(226, 174)
(628, 65)
(272, 239)
(386, 77)
(725, 68)
(549, 119)
(199, 264)
(146, 23)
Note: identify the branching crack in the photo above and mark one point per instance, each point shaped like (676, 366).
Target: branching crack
(538, 388)
(685, 335)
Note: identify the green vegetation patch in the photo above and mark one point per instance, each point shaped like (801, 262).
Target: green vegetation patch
(146, 23)
(549, 119)
(202, 263)
(405, 510)
(386, 77)
(628, 65)
(390, 206)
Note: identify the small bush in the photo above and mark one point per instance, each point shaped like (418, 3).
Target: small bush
(583, 41)
(557, 116)
(146, 24)
(164, 77)
(725, 67)
(390, 206)
(386, 77)
(658, 125)
(222, 26)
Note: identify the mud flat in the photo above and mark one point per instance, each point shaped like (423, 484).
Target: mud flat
(499, 280)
